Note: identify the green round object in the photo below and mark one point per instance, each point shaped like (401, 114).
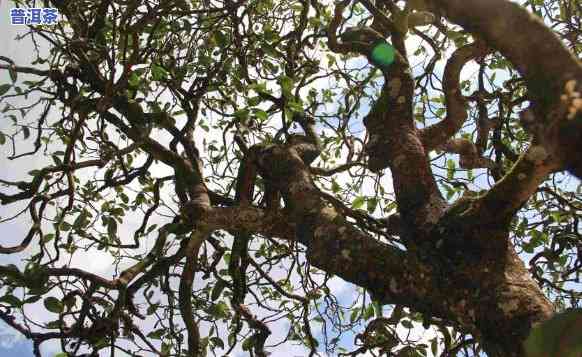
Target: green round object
(383, 54)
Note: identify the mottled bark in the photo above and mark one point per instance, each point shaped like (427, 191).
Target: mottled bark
(462, 254)
(438, 134)
(553, 74)
(464, 272)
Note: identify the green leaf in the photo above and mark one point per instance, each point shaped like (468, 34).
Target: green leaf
(372, 203)
(354, 314)
(57, 160)
(221, 310)
(65, 227)
(157, 334)
(407, 324)
(231, 339)
(434, 346)
(559, 336)
(377, 308)
(55, 324)
(166, 348)
(32, 299)
(470, 174)
(563, 13)
(242, 114)
(221, 39)
(369, 312)
(295, 106)
(217, 342)
(253, 101)
(159, 73)
(112, 228)
(61, 354)
(261, 115)
(248, 344)
(13, 73)
(101, 344)
(69, 301)
(5, 88)
(439, 99)
(450, 169)
(124, 198)
(81, 220)
(134, 80)
(2, 138)
(359, 202)
(286, 85)
(217, 290)
(259, 87)
(152, 308)
(11, 300)
(450, 191)
(53, 304)
(48, 237)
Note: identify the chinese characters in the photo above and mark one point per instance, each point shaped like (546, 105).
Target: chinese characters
(34, 16)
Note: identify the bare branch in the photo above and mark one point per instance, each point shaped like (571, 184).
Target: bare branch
(439, 133)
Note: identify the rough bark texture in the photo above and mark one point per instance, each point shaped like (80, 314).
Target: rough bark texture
(552, 72)
(462, 270)
(462, 253)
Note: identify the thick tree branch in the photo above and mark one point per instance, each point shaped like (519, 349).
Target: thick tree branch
(333, 244)
(546, 63)
(262, 330)
(500, 204)
(239, 259)
(185, 292)
(394, 142)
(341, 47)
(439, 133)
(552, 73)
(469, 157)
(380, 17)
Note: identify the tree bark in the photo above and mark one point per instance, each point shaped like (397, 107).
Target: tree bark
(461, 271)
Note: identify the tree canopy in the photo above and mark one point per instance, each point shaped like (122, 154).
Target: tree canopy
(295, 177)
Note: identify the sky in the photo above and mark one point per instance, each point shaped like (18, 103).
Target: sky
(12, 344)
